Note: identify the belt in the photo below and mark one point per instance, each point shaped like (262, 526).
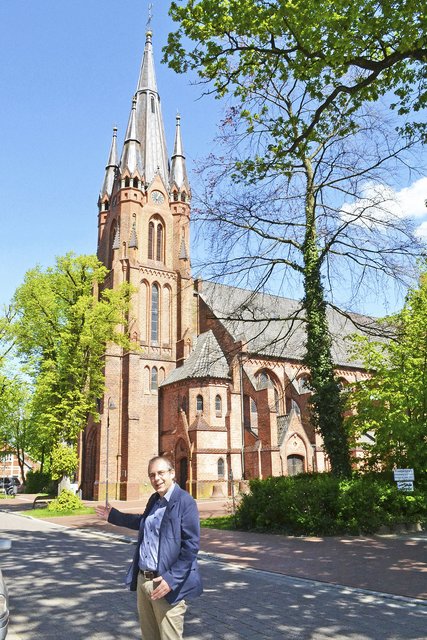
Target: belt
(148, 575)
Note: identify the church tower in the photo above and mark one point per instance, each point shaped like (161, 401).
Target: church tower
(143, 239)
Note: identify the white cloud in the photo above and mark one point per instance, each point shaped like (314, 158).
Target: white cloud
(380, 202)
(421, 231)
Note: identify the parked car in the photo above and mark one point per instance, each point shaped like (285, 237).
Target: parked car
(10, 484)
(4, 596)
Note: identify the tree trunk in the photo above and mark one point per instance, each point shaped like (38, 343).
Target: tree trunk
(326, 405)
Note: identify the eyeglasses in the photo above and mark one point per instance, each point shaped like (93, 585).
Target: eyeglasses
(160, 473)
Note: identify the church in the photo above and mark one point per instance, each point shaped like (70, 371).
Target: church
(224, 397)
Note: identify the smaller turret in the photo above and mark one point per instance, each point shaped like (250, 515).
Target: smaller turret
(180, 186)
(131, 160)
(110, 174)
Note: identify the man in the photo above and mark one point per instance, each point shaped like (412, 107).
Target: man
(164, 570)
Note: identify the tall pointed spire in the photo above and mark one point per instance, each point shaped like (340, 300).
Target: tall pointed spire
(131, 155)
(110, 169)
(149, 121)
(178, 175)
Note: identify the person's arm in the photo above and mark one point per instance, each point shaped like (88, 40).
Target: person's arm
(112, 515)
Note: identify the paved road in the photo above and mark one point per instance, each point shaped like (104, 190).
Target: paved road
(65, 584)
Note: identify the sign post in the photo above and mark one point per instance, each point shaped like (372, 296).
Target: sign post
(404, 479)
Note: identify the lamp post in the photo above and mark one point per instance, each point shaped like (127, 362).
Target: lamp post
(110, 406)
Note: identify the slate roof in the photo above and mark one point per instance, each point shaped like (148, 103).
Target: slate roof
(206, 360)
(274, 326)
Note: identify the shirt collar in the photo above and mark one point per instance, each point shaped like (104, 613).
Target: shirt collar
(168, 494)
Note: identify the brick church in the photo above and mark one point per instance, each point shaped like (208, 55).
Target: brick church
(225, 397)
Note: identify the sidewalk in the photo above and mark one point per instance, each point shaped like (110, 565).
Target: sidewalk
(391, 564)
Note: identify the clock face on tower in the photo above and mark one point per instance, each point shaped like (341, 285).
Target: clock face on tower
(157, 197)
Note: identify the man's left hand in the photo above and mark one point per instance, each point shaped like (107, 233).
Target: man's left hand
(161, 588)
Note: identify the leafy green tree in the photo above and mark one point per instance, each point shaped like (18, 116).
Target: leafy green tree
(61, 330)
(302, 139)
(16, 429)
(391, 406)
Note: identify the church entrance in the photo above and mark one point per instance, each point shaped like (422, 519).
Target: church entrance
(295, 465)
(181, 463)
(182, 473)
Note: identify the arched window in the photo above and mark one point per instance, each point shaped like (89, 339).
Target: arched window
(254, 415)
(199, 403)
(153, 105)
(262, 380)
(106, 205)
(184, 404)
(276, 401)
(218, 405)
(175, 196)
(159, 243)
(156, 238)
(183, 197)
(304, 384)
(151, 241)
(127, 181)
(135, 183)
(155, 314)
(154, 379)
(221, 469)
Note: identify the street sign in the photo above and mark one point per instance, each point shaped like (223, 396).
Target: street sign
(405, 486)
(403, 475)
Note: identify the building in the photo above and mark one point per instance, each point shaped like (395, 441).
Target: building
(225, 397)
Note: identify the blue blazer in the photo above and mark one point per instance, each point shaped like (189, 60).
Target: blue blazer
(178, 544)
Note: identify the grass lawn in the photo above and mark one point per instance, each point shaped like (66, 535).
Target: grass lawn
(47, 513)
(219, 522)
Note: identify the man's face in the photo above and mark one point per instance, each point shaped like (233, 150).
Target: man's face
(161, 477)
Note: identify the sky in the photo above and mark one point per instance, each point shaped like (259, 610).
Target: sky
(68, 71)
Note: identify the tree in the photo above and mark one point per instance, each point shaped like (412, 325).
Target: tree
(16, 431)
(302, 189)
(391, 406)
(61, 331)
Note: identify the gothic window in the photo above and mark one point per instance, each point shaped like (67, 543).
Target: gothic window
(221, 469)
(262, 380)
(218, 405)
(166, 315)
(127, 181)
(184, 404)
(106, 205)
(199, 403)
(159, 243)
(183, 197)
(154, 379)
(175, 196)
(135, 183)
(143, 307)
(304, 384)
(156, 237)
(155, 314)
(276, 401)
(254, 416)
(151, 240)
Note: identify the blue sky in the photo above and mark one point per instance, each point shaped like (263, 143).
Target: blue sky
(68, 71)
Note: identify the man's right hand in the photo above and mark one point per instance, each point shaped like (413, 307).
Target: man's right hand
(103, 511)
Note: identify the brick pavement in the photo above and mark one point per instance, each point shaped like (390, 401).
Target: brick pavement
(392, 564)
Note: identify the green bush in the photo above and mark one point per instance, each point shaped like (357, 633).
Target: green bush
(38, 482)
(66, 501)
(322, 504)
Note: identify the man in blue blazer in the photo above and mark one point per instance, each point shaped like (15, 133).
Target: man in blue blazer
(164, 569)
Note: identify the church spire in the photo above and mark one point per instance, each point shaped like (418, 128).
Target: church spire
(110, 169)
(178, 175)
(149, 121)
(131, 156)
